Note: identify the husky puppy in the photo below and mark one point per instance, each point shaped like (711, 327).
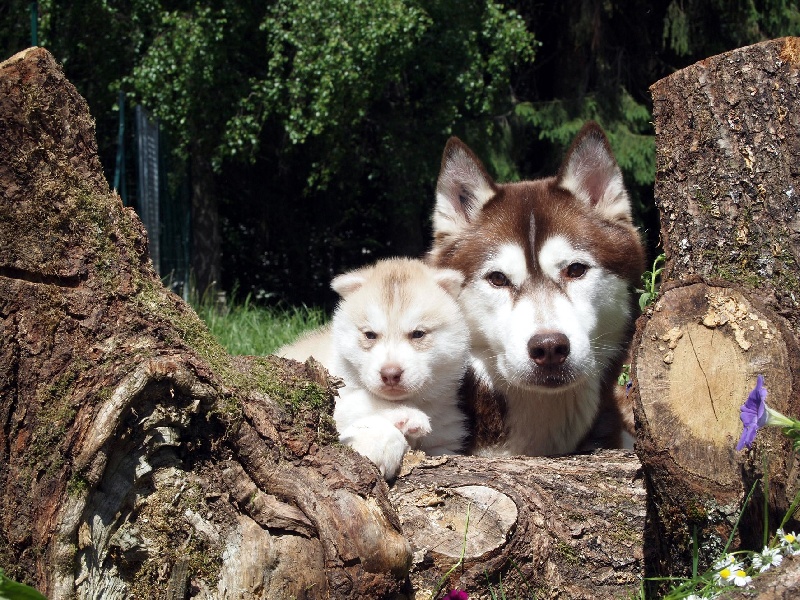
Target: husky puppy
(400, 343)
(549, 266)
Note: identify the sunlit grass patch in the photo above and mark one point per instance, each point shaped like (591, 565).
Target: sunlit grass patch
(247, 328)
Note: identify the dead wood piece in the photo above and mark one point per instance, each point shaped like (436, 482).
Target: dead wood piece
(137, 459)
(547, 527)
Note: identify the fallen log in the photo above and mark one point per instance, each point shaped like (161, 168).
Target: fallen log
(138, 459)
(727, 176)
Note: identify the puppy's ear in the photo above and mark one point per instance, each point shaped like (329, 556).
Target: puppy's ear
(450, 281)
(463, 188)
(347, 283)
(592, 174)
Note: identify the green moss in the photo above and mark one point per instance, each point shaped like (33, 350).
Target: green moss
(52, 422)
(696, 512)
(77, 485)
(704, 204)
(66, 564)
(165, 524)
(567, 552)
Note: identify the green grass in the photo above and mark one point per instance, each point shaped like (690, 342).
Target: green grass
(246, 328)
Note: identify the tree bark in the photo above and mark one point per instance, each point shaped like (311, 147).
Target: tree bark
(206, 254)
(728, 152)
(138, 459)
(562, 527)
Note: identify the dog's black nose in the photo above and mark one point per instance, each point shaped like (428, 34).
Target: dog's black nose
(549, 349)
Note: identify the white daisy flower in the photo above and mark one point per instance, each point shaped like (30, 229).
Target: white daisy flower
(767, 558)
(741, 578)
(723, 561)
(789, 542)
(726, 572)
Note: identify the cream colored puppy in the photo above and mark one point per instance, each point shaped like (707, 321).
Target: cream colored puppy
(400, 344)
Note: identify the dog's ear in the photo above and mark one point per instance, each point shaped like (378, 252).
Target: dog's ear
(463, 188)
(450, 281)
(592, 174)
(347, 283)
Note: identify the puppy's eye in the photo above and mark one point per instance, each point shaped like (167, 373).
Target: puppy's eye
(498, 279)
(370, 335)
(575, 271)
(417, 334)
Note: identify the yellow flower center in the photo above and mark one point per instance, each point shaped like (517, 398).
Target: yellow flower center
(725, 573)
(790, 538)
(741, 573)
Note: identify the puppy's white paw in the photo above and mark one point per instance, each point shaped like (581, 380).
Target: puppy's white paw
(411, 422)
(380, 441)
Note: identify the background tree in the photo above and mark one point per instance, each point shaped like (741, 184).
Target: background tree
(314, 129)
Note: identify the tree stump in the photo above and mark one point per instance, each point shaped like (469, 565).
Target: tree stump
(138, 459)
(727, 178)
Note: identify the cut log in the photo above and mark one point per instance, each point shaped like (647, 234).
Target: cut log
(537, 527)
(728, 151)
(138, 459)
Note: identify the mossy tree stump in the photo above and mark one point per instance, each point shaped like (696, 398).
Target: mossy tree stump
(138, 459)
(728, 151)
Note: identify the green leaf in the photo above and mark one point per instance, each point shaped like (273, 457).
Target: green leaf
(11, 590)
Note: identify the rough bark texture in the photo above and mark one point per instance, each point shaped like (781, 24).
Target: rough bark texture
(566, 527)
(728, 171)
(139, 460)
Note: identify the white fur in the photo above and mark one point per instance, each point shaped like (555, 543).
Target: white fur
(593, 176)
(591, 312)
(390, 301)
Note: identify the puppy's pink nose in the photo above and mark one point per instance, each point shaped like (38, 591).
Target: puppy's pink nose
(391, 374)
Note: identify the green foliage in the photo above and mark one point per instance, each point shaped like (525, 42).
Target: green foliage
(625, 121)
(329, 60)
(625, 375)
(676, 29)
(650, 281)
(704, 27)
(325, 120)
(184, 71)
(332, 63)
(248, 329)
(11, 590)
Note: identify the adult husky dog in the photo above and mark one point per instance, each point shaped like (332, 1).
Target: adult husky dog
(549, 267)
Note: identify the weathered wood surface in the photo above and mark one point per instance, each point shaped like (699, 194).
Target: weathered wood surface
(138, 459)
(546, 527)
(728, 174)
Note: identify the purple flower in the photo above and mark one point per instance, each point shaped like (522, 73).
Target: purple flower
(753, 414)
(456, 595)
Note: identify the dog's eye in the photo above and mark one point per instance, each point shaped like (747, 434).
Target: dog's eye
(498, 279)
(370, 335)
(575, 270)
(417, 334)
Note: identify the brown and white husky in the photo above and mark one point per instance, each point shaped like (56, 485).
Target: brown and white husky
(549, 267)
(399, 342)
